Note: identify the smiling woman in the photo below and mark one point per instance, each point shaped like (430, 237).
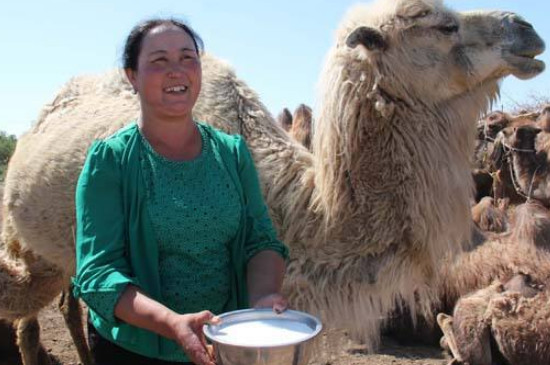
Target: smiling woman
(171, 227)
(167, 78)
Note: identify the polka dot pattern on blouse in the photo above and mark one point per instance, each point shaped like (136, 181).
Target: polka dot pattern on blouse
(195, 210)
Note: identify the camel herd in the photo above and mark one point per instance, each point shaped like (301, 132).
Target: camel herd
(492, 300)
(497, 289)
(503, 314)
(376, 211)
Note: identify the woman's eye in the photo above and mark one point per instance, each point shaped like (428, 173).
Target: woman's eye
(188, 57)
(159, 60)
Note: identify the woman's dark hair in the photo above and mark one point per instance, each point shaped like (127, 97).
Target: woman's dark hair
(132, 48)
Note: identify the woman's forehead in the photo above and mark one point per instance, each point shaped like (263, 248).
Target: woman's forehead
(167, 36)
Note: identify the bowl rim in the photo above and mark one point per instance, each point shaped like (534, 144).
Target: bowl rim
(207, 328)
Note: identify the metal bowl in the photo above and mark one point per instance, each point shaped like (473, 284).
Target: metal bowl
(262, 337)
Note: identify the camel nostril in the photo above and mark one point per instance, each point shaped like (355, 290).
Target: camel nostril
(520, 21)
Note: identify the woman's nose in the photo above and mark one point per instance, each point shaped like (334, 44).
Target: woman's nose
(174, 69)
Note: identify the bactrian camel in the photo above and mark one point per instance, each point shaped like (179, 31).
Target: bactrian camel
(367, 215)
(500, 324)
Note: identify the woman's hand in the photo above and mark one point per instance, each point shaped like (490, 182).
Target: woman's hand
(187, 332)
(275, 301)
(265, 278)
(138, 309)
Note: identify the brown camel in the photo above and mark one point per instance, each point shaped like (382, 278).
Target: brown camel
(527, 165)
(500, 325)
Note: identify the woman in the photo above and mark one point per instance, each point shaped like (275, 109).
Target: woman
(171, 224)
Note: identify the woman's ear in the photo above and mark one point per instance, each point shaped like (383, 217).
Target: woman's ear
(131, 75)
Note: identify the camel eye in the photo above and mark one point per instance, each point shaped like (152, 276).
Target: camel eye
(448, 29)
(421, 14)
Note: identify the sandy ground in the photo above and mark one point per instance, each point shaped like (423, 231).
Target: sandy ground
(58, 344)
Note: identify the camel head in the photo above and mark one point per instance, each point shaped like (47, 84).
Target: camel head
(411, 67)
(420, 48)
(522, 138)
(489, 126)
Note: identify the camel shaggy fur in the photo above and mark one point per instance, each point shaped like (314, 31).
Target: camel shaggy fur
(367, 215)
(483, 183)
(500, 324)
(524, 249)
(488, 217)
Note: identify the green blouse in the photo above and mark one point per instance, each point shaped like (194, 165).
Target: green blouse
(169, 228)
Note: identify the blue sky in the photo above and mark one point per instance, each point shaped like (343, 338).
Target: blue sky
(277, 47)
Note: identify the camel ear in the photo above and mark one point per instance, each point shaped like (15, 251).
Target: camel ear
(371, 38)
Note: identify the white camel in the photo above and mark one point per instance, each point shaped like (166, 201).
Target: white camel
(367, 215)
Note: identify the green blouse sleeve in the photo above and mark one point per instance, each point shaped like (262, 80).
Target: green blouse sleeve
(260, 233)
(102, 268)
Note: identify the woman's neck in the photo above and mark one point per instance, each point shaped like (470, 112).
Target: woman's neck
(177, 140)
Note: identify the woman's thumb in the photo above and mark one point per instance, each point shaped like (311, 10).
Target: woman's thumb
(207, 317)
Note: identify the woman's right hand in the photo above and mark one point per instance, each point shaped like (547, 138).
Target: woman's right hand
(187, 332)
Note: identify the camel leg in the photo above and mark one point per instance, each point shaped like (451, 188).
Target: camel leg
(445, 322)
(28, 340)
(72, 313)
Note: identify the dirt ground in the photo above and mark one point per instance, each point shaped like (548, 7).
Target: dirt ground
(58, 344)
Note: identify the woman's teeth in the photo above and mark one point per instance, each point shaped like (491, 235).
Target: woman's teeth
(176, 89)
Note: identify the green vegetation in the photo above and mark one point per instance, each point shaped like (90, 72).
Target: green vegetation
(7, 146)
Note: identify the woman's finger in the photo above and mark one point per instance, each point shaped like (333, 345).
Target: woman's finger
(280, 305)
(197, 351)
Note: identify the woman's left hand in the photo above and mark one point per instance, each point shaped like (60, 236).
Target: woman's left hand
(274, 300)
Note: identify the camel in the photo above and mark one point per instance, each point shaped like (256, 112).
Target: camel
(523, 249)
(367, 214)
(500, 324)
(527, 164)
(301, 125)
(487, 130)
(490, 166)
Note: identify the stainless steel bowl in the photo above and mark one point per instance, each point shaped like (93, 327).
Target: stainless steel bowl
(240, 351)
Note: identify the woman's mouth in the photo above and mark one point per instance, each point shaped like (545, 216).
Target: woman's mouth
(180, 89)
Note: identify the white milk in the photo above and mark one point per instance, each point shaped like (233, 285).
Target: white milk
(264, 332)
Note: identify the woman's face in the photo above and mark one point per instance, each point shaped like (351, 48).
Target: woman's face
(168, 76)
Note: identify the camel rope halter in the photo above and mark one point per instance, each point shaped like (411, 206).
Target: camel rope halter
(508, 151)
